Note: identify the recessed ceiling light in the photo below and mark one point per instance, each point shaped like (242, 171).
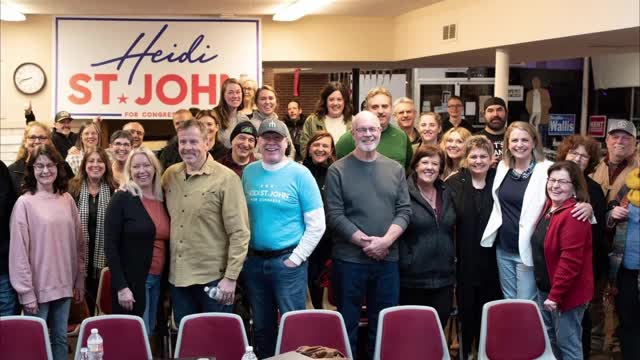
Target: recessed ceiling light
(299, 8)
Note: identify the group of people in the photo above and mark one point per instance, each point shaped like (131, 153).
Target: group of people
(406, 212)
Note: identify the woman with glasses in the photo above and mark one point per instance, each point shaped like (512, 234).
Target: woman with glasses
(35, 133)
(46, 254)
(91, 189)
(88, 140)
(249, 88)
(561, 250)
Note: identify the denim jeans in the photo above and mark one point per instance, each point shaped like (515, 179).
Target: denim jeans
(352, 282)
(564, 329)
(193, 299)
(56, 314)
(517, 280)
(152, 288)
(271, 286)
(8, 297)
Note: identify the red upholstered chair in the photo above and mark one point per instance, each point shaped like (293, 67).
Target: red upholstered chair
(513, 329)
(103, 301)
(311, 328)
(24, 338)
(211, 334)
(123, 336)
(410, 332)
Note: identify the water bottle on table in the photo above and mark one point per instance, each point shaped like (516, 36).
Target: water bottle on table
(94, 343)
(249, 355)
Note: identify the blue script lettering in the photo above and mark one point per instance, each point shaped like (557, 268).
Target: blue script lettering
(158, 55)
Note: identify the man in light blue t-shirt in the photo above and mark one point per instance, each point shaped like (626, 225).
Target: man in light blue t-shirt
(287, 221)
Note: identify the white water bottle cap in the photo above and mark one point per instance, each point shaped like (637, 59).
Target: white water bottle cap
(94, 331)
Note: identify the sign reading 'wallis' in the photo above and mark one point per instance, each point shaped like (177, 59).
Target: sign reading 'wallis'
(147, 68)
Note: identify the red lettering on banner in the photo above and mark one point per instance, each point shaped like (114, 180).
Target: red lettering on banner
(106, 80)
(196, 89)
(74, 83)
(160, 89)
(147, 91)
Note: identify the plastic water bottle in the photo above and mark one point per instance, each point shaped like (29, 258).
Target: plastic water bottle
(84, 354)
(94, 343)
(249, 355)
(213, 293)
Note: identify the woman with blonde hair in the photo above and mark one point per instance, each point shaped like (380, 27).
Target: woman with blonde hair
(430, 128)
(88, 139)
(91, 189)
(518, 198)
(452, 146)
(249, 88)
(137, 232)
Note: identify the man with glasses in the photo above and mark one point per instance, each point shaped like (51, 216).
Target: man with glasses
(137, 133)
(455, 108)
(368, 208)
(404, 111)
(120, 148)
(393, 142)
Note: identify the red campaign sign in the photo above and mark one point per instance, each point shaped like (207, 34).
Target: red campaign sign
(597, 125)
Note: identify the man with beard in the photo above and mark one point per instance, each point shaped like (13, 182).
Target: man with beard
(393, 142)
(295, 122)
(243, 142)
(495, 114)
(209, 226)
(287, 222)
(611, 173)
(62, 136)
(368, 209)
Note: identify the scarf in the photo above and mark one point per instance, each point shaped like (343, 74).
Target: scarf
(633, 183)
(525, 174)
(99, 259)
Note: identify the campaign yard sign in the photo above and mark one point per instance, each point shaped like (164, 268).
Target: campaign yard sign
(562, 124)
(597, 125)
(146, 68)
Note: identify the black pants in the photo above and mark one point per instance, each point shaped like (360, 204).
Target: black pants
(628, 307)
(470, 303)
(439, 298)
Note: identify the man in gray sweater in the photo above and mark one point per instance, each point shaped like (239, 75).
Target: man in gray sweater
(368, 209)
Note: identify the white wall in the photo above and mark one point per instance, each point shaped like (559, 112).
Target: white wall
(616, 71)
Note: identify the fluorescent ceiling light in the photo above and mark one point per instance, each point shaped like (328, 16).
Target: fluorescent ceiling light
(9, 13)
(299, 8)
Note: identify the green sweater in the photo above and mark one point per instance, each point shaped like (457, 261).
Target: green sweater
(394, 144)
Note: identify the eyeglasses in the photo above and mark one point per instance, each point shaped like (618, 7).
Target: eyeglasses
(363, 131)
(41, 167)
(457, 106)
(578, 155)
(561, 182)
(121, 144)
(34, 138)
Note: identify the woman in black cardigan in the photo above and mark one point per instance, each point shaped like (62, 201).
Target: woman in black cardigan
(427, 257)
(477, 271)
(137, 229)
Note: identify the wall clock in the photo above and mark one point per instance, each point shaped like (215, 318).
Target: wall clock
(29, 78)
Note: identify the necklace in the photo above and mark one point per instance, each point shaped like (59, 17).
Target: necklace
(430, 199)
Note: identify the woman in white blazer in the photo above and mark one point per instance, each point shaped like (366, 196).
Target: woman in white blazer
(518, 198)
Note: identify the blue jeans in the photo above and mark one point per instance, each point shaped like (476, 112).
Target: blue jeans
(152, 288)
(352, 282)
(56, 314)
(564, 329)
(517, 280)
(8, 297)
(271, 286)
(192, 299)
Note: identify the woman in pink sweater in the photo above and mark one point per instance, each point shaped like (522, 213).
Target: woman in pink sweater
(46, 257)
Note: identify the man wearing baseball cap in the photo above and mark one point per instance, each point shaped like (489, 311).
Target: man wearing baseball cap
(243, 142)
(287, 221)
(610, 173)
(62, 136)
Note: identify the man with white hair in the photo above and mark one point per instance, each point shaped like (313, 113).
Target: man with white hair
(404, 112)
(368, 209)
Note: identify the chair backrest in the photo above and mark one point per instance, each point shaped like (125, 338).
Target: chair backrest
(313, 327)
(513, 329)
(410, 332)
(24, 337)
(123, 336)
(103, 301)
(211, 334)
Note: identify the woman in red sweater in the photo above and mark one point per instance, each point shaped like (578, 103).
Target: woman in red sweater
(562, 253)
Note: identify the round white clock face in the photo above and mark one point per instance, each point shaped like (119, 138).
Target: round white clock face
(29, 78)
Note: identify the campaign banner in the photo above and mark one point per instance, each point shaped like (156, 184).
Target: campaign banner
(146, 68)
(562, 124)
(597, 125)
